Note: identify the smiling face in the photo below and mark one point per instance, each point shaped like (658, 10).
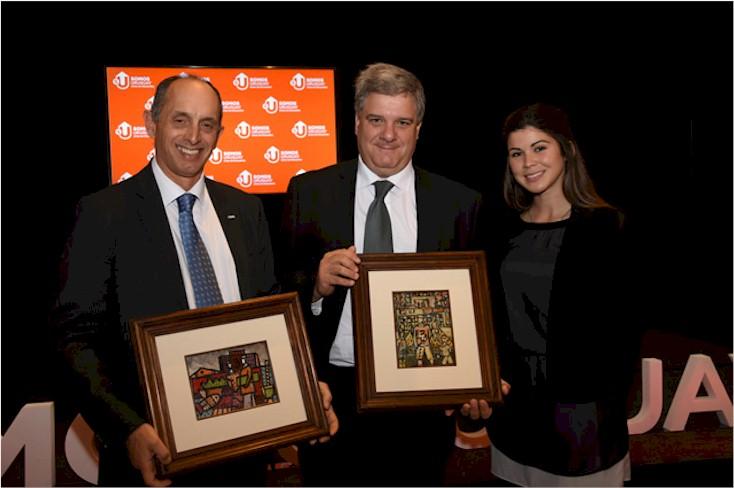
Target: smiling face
(387, 131)
(536, 161)
(187, 130)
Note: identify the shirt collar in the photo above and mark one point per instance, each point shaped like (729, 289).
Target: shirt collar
(170, 190)
(401, 180)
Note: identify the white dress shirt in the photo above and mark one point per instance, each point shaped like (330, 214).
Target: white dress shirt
(210, 229)
(400, 203)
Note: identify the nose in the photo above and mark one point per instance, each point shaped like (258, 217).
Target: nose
(528, 160)
(388, 132)
(193, 133)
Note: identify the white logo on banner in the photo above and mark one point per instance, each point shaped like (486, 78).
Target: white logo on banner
(300, 129)
(149, 103)
(271, 105)
(124, 176)
(241, 82)
(151, 154)
(298, 82)
(121, 80)
(124, 131)
(217, 156)
(272, 155)
(232, 106)
(243, 130)
(233, 157)
(245, 179)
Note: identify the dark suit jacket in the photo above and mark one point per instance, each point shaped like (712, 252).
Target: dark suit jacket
(121, 263)
(592, 347)
(319, 217)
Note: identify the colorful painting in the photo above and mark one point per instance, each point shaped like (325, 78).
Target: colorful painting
(424, 335)
(230, 380)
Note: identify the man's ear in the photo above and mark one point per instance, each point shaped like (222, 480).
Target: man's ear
(150, 125)
(356, 123)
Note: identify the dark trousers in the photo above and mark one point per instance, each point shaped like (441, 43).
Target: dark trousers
(397, 448)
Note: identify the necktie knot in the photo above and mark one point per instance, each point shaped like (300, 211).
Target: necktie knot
(186, 202)
(381, 189)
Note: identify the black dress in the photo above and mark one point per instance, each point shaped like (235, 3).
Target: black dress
(564, 342)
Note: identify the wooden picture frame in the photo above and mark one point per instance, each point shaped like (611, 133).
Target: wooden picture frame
(229, 380)
(439, 302)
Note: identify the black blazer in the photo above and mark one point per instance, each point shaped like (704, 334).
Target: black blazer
(120, 263)
(592, 345)
(319, 217)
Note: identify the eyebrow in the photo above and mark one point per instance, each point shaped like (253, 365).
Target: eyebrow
(380, 116)
(531, 145)
(180, 113)
(539, 141)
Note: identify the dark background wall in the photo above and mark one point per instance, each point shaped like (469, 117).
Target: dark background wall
(648, 87)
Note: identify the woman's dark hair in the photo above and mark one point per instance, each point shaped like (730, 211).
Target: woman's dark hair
(577, 185)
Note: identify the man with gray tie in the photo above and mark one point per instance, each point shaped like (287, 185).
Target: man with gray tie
(165, 240)
(379, 202)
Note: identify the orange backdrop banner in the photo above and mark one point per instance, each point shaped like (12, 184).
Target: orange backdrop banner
(278, 122)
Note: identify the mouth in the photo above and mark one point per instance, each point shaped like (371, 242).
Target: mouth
(531, 177)
(385, 146)
(188, 152)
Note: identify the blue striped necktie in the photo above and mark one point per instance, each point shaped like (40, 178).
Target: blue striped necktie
(203, 279)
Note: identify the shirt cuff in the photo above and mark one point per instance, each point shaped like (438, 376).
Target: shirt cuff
(316, 306)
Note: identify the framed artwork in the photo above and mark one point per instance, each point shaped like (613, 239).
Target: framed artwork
(423, 331)
(230, 380)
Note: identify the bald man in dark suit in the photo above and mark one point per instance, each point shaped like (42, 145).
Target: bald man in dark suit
(128, 258)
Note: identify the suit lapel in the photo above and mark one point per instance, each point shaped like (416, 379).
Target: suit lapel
(154, 222)
(429, 205)
(343, 203)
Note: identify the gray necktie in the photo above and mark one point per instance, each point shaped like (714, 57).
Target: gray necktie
(203, 279)
(377, 229)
